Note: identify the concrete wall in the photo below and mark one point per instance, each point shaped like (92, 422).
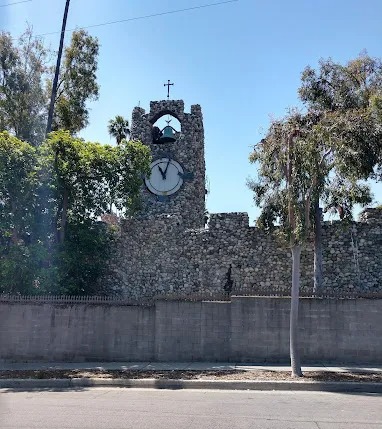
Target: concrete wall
(69, 332)
(245, 329)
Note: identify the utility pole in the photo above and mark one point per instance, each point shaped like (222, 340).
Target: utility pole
(57, 72)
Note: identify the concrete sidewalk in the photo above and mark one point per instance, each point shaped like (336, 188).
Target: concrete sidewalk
(182, 366)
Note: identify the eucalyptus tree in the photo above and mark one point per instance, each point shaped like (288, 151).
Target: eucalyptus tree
(284, 189)
(293, 171)
(347, 102)
(119, 128)
(23, 70)
(77, 83)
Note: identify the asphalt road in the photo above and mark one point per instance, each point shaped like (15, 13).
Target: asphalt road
(140, 409)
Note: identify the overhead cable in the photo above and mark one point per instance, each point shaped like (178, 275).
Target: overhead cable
(17, 2)
(147, 16)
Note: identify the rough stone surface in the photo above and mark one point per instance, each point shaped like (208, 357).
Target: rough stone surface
(160, 255)
(167, 249)
(188, 151)
(246, 329)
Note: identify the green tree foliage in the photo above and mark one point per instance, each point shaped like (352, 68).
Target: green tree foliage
(318, 157)
(27, 269)
(77, 83)
(51, 199)
(23, 69)
(23, 255)
(17, 189)
(286, 181)
(88, 177)
(348, 100)
(347, 103)
(293, 172)
(25, 89)
(83, 260)
(119, 128)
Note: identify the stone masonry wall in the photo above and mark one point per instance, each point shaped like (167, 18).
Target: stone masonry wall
(188, 150)
(247, 329)
(159, 256)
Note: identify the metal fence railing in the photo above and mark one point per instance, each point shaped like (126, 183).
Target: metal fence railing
(67, 299)
(197, 296)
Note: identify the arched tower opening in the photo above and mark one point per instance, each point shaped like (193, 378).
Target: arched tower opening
(166, 128)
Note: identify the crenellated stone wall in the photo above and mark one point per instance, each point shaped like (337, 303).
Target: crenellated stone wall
(160, 255)
(167, 249)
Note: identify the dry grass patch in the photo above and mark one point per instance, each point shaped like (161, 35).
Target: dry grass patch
(319, 376)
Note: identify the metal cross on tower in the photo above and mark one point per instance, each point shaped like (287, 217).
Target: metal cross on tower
(168, 84)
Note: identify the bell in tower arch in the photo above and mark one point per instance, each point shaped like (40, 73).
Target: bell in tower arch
(168, 135)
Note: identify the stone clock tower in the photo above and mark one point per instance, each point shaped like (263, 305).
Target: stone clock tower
(176, 184)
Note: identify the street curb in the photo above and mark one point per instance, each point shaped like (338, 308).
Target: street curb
(76, 383)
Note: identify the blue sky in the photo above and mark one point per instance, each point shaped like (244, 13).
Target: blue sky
(241, 61)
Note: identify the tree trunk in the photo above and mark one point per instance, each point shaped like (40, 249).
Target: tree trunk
(64, 216)
(294, 350)
(317, 287)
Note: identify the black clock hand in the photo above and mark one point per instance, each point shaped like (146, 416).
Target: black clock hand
(162, 173)
(165, 171)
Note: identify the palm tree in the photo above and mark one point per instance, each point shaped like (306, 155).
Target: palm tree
(119, 128)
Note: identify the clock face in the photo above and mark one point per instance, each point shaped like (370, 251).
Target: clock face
(166, 177)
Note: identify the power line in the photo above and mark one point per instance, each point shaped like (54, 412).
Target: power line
(57, 70)
(147, 16)
(17, 2)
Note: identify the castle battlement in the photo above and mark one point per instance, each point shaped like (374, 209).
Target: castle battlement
(168, 249)
(234, 220)
(371, 215)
